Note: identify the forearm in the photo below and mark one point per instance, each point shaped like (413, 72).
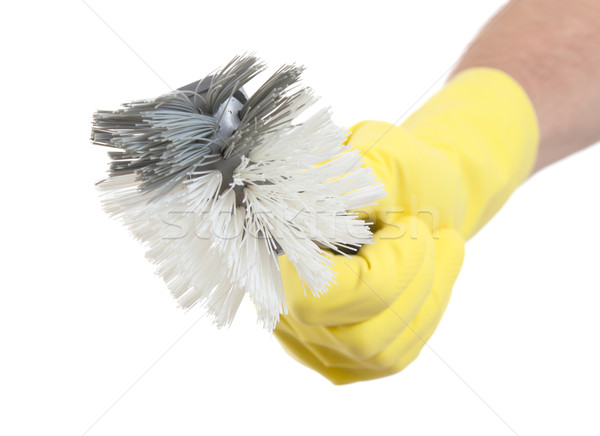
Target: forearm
(552, 48)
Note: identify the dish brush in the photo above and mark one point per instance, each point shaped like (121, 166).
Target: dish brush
(217, 184)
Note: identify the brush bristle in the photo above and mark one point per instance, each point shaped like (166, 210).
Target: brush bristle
(215, 240)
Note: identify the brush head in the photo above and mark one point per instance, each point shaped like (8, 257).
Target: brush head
(217, 184)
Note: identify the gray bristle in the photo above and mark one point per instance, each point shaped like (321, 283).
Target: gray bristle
(239, 71)
(169, 138)
(272, 107)
(161, 139)
(267, 97)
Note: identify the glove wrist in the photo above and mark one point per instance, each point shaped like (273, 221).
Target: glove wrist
(486, 123)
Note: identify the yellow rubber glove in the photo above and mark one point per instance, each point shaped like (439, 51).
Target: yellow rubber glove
(446, 170)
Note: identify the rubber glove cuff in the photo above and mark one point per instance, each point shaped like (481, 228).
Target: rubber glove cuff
(487, 124)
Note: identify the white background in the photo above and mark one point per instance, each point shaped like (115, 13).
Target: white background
(89, 336)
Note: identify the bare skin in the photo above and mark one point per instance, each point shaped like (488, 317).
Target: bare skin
(552, 48)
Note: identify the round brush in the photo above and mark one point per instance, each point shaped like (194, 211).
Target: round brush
(217, 184)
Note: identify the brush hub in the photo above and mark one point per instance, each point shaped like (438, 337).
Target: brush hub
(228, 118)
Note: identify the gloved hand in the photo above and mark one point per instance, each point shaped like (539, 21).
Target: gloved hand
(446, 170)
